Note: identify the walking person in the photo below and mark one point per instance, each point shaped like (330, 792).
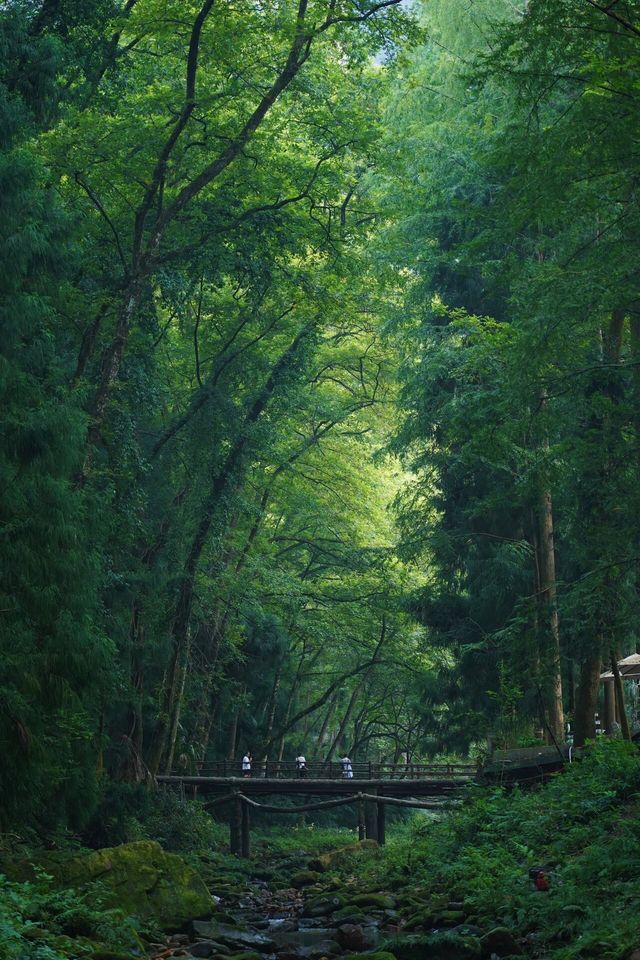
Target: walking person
(347, 768)
(301, 767)
(246, 764)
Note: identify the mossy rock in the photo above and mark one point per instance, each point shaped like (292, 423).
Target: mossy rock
(143, 881)
(323, 906)
(305, 878)
(436, 946)
(349, 914)
(449, 918)
(379, 901)
(106, 954)
(424, 919)
(334, 858)
(377, 955)
(247, 955)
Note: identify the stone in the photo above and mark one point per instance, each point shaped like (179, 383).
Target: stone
(203, 928)
(335, 857)
(234, 938)
(351, 936)
(435, 946)
(448, 918)
(204, 948)
(142, 880)
(349, 914)
(378, 955)
(323, 906)
(313, 951)
(379, 901)
(305, 878)
(500, 941)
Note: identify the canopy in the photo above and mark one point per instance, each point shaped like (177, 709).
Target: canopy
(629, 668)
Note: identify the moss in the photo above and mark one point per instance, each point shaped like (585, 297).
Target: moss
(304, 878)
(377, 955)
(379, 901)
(144, 881)
(336, 857)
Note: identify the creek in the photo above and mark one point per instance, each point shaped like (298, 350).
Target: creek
(316, 916)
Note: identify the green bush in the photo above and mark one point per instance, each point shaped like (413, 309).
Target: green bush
(40, 923)
(129, 812)
(583, 825)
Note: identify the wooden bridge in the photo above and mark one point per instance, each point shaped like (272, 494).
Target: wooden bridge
(371, 787)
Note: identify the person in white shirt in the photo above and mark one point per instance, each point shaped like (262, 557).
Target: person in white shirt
(301, 766)
(246, 764)
(347, 769)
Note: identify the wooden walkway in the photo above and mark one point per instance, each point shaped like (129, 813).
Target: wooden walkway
(371, 787)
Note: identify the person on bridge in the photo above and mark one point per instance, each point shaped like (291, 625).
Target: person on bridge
(347, 768)
(246, 764)
(301, 767)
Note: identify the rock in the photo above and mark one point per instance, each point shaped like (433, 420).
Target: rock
(143, 881)
(351, 936)
(378, 955)
(305, 878)
(436, 946)
(203, 928)
(500, 941)
(328, 860)
(204, 948)
(323, 906)
(467, 930)
(234, 938)
(448, 918)
(313, 951)
(349, 914)
(246, 955)
(379, 901)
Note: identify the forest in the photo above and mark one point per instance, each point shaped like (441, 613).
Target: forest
(319, 393)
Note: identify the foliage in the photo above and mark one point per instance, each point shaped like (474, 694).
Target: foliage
(40, 923)
(582, 827)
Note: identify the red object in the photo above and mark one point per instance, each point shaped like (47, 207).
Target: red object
(542, 881)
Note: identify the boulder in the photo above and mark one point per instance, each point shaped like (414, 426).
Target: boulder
(500, 941)
(143, 881)
(378, 955)
(335, 857)
(205, 948)
(323, 906)
(351, 936)
(305, 878)
(313, 951)
(244, 939)
(435, 946)
(349, 914)
(379, 901)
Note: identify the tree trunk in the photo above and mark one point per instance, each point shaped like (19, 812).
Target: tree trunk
(586, 701)
(619, 688)
(552, 656)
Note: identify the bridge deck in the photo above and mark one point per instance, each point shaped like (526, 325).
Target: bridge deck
(424, 787)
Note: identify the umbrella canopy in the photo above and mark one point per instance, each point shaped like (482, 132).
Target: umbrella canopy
(629, 668)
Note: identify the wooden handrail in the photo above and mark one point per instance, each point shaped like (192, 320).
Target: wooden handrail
(322, 770)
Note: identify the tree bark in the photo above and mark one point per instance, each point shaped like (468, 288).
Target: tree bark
(587, 700)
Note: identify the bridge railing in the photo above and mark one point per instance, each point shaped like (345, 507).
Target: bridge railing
(333, 770)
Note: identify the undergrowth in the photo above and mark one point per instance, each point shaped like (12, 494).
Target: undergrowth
(583, 826)
(38, 922)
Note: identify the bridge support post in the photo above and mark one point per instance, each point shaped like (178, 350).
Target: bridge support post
(245, 840)
(371, 819)
(235, 824)
(361, 823)
(381, 822)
